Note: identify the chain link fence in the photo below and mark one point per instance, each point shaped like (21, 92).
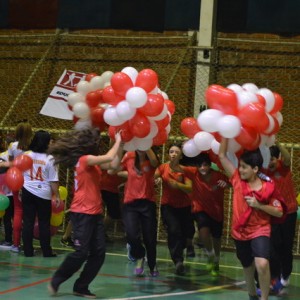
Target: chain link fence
(32, 62)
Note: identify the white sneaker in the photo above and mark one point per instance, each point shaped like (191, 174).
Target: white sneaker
(15, 249)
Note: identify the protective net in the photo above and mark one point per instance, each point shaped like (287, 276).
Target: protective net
(31, 63)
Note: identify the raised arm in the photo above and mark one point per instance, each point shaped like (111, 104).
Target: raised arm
(226, 163)
(108, 157)
(152, 158)
(285, 155)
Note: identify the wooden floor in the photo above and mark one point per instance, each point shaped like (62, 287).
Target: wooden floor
(24, 278)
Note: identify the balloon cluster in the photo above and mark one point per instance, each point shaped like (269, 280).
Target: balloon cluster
(14, 176)
(130, 102)
(248, 116)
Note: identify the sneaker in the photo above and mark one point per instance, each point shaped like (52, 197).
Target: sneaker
(129, 256)
(139, 269)
(15, 249)
(85, 294)
(154, 272)
(179, 268)
(285, 282)
(5, 244)
(210, 263)
(215, 271)
(276, 287)
(190, 251)
(67, 243)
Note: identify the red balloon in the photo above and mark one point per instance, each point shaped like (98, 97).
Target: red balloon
(59, 209)
(171, 106)
(160, 138)
(278, 103)
(248, 138)
(153, 106)
(147, 79)
(139, 125)
(75, 119)
(121, 83)
(97, 116)
(23, 162)
(126, 134)
(163, 123)
(92, 99)
(263, 124)
(251, 113)
(110, 97)
(189, 127)
(221, 98)
(14, 179)
(261, 99)
(276, 126)
(88, 77)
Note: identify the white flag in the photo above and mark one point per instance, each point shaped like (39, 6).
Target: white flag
(56, 105)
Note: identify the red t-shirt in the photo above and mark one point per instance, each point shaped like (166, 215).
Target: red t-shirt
(207, 196)
(110, 182)
(87, 197)
(258, 223)
(171, 196)
(283, 179)
(138, 186)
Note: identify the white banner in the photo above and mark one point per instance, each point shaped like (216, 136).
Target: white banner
(56, 105)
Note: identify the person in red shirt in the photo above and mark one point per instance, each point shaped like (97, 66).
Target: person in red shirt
(283, 234)
(111, 198)
(139, 208)
(207, 206)
(81, 149)
(254, 202)
(176, 206)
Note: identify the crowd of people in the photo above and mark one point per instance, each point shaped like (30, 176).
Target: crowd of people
(263, 220)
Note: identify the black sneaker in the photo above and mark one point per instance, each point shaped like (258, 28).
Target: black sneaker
(190, 251)
(179, 268)
(67, 243)
(85, 294)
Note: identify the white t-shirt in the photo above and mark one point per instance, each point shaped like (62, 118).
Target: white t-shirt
(37, 179)
(13, 149)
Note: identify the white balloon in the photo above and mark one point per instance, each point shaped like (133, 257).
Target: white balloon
(271, 124)
(74, 98)
(129, 146)
(131, 72)
(232, 157)
(245, 97)
(107, 84)
(153, 130)
(111, 117)
(168, 128)
(235, 87)
(83, 87)
(83, 124)
(142, 144)
(279, 118)
(154, 91)
(190, 149)
(97, 82)
(265, 152)
(165, 96)
(81, 110)
(215, 146)
(233, 146)
(107, 75)
(203, 140)
(229, 126)
(125, 111)
(269, 97)
(136, 96)
(162, 115)
(207, 119)
(250, 87)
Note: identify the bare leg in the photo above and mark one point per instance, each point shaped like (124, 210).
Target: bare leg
(249, 277)
(263, 270)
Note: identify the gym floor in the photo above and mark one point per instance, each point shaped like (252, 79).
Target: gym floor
(28, 277)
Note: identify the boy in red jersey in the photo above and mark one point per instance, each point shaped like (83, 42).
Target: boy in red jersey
(283, 234)
(254, 202)
(207, 206)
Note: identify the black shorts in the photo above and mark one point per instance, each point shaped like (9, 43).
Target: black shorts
(246, 251)
(112, 203)
(204, 220)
